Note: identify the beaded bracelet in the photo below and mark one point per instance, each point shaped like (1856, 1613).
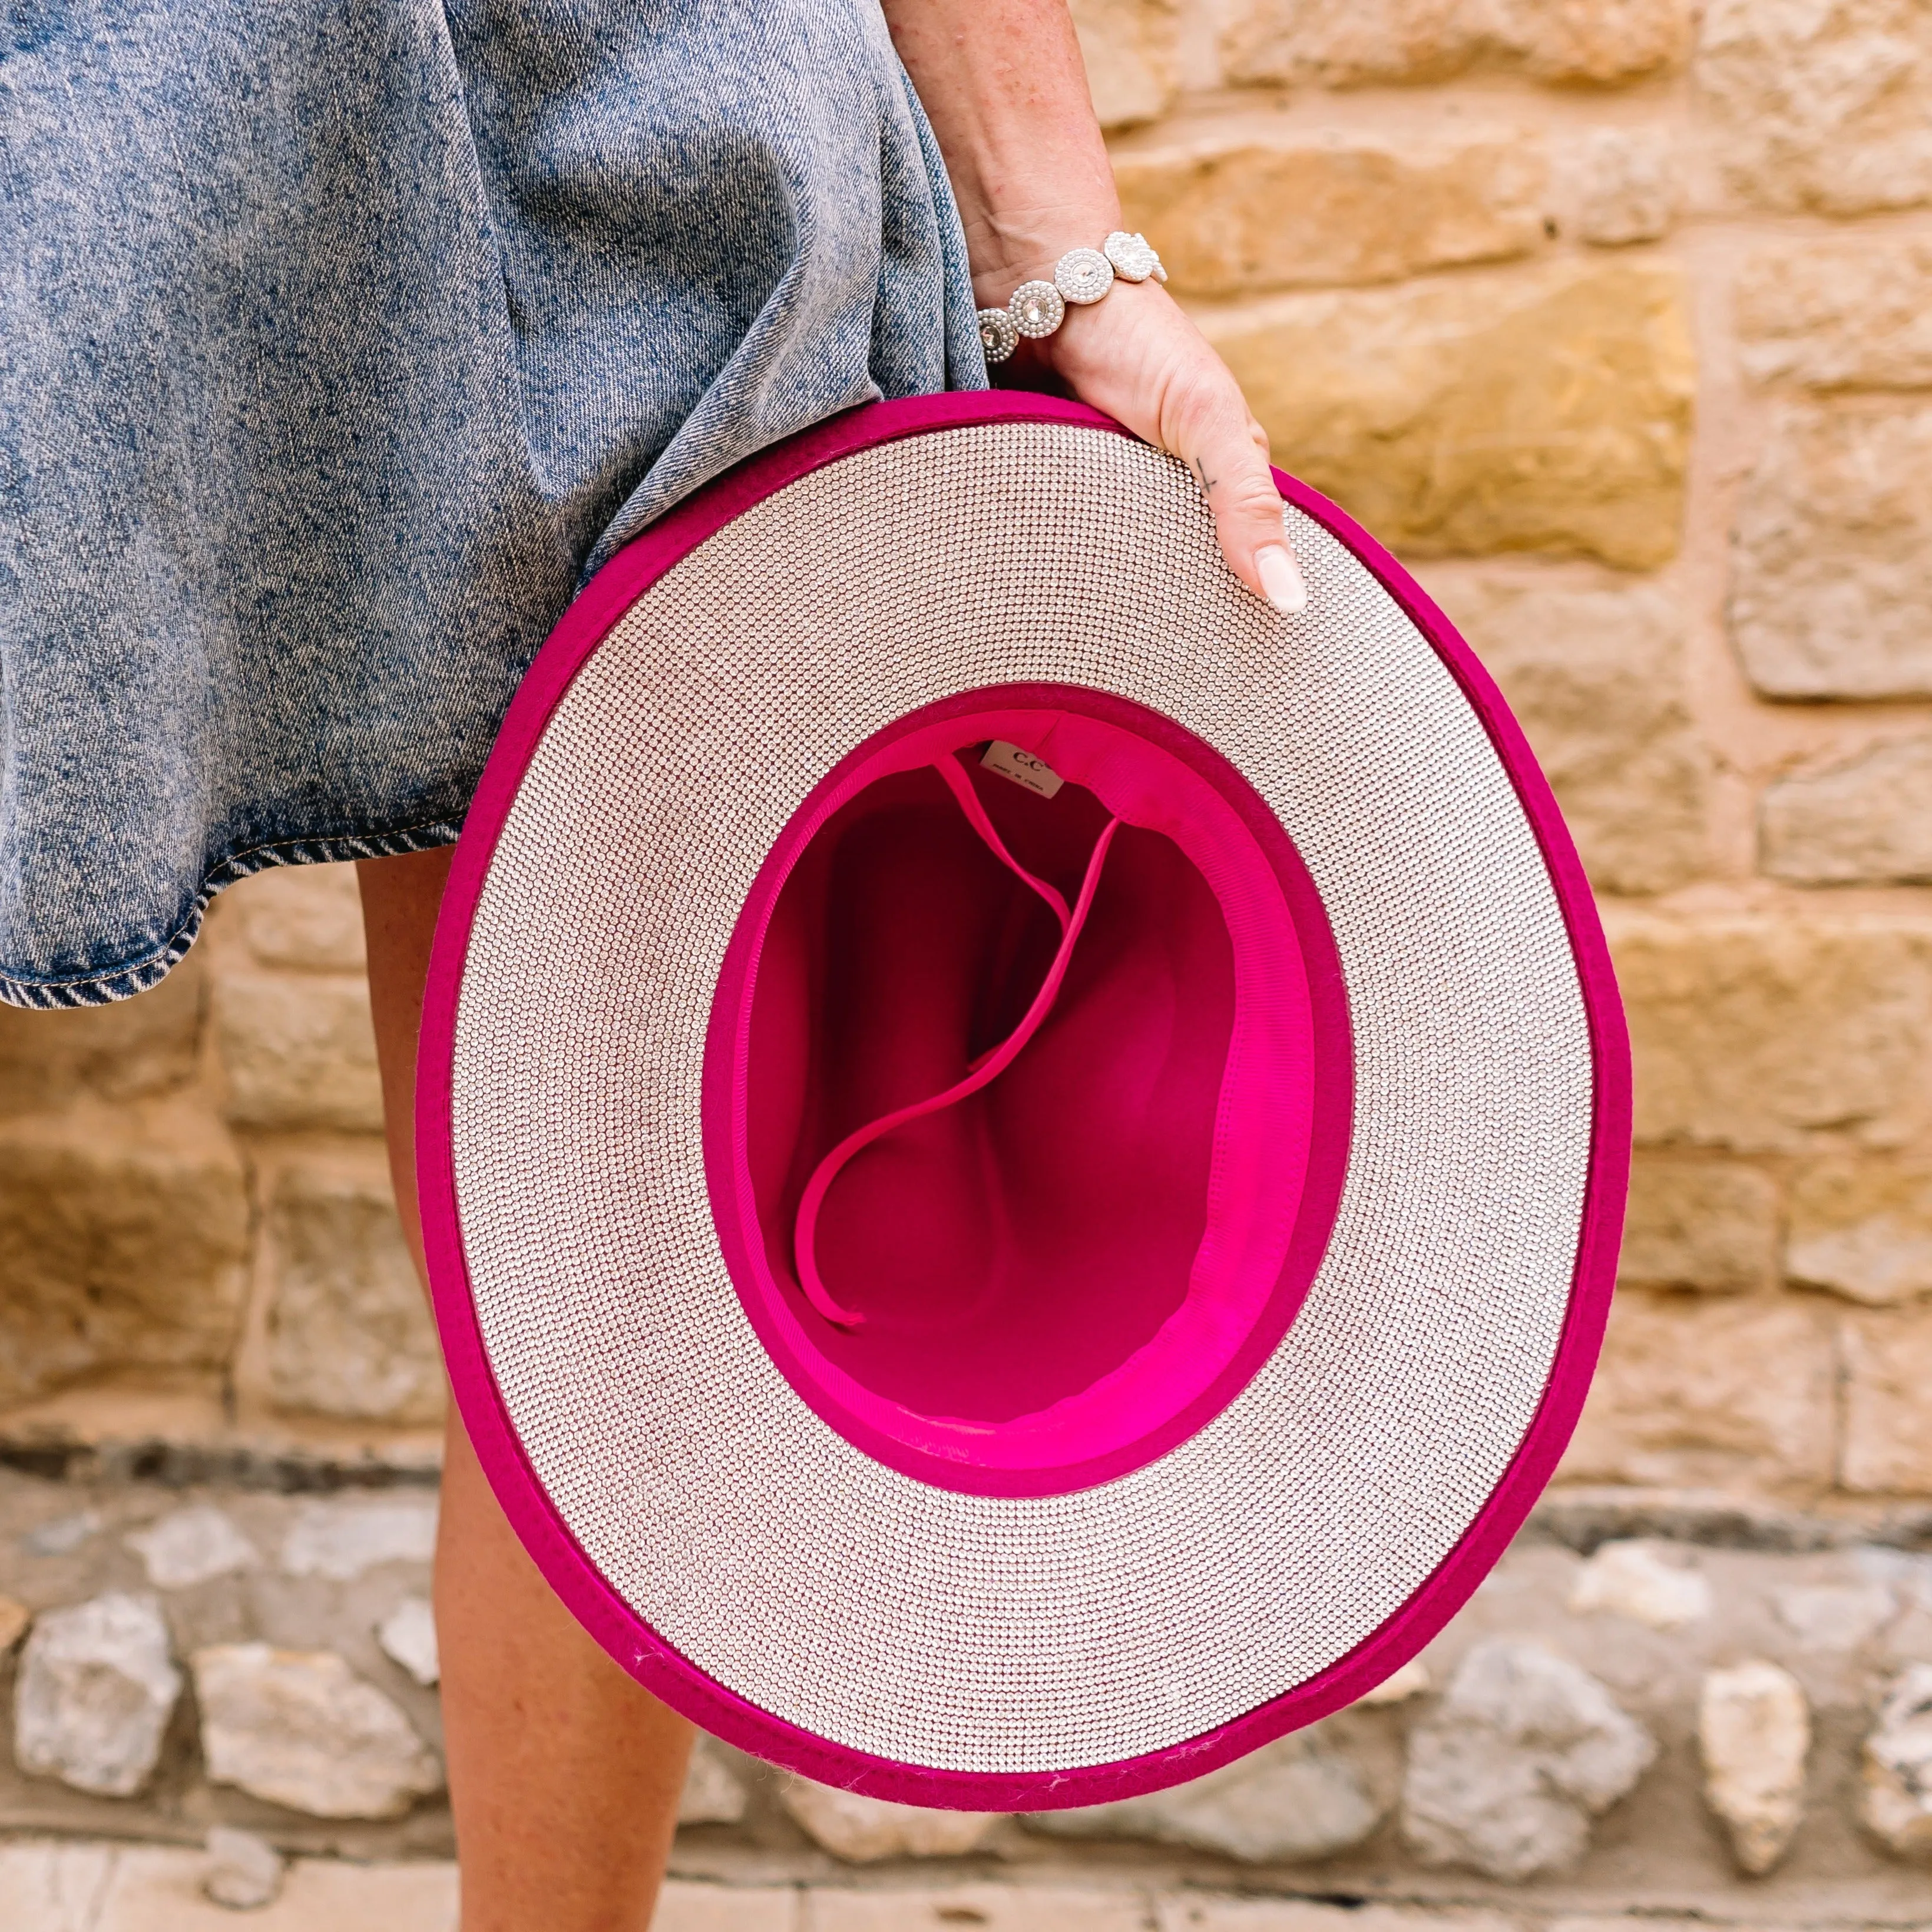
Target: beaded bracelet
(1080, 275)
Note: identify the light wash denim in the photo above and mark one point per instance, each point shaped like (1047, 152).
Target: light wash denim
(341, 341)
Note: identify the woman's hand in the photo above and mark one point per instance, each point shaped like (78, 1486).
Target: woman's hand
(1005, 89)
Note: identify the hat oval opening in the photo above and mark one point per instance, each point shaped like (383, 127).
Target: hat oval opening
(1027, 1091)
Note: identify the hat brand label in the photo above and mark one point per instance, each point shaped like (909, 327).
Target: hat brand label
(1023, 768)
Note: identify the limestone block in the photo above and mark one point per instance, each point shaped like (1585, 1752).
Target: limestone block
(1341, 44)
(862, 1830)
(350, 1333)
(14, 1618)
(123, 1240)
(340, 1540)
(1838, 315)
(1625, 186)
(408, 1636)
(1887, 1363)
(1548, 410)
(308, 918)
(993, 1906)
(1235, 214)
(1895, 1799)
(1628, 1579)
(127, 1050)
(192, 1546)
(1752, 1034)
(96, 1690)
(244, 1873)
(1822, 105)
(1695, 1392)
(1863, 1229)
(1834, 1616)
(1307, 1795)
(713, 1794)
(1710, 1226)
(1596, 678)
(1753, 1735)
(1129, 48)
(300, 1729)
(1524, 1750)
(1408, 1680)
(298, 1051)
(1866, 820)
(1831, 557)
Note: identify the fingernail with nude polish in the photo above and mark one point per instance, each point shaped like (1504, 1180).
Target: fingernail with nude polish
(1282, 581)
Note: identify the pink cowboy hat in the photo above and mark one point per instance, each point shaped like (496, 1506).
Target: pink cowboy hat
(1021, 1156)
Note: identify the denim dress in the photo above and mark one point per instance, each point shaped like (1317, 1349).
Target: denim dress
(343, 338)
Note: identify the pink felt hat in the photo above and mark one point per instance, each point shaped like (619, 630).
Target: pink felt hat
(1021, 1157)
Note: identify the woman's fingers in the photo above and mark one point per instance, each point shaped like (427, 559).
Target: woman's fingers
(1224, 447)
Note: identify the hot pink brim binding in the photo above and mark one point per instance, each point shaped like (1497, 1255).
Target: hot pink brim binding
(645, 1655)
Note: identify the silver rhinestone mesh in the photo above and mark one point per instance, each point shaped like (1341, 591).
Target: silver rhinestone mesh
(969, 1633)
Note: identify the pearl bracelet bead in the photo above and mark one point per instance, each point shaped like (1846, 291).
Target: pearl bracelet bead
(1082, 275)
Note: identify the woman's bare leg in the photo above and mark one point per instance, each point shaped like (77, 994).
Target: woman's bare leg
(564, 1774)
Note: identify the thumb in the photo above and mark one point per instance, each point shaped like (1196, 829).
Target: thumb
(1227, 449)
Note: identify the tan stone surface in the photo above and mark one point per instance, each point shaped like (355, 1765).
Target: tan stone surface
(1343, 44)
(1821, 105)
(1596, 678)
(862, 1830)
(1831, 583)
(122, 1241)
(297, 1052)
(1864, 821)
(1887, 1427)
(683, 1906)
(308, 918)
(1626, 183)
(1544, 410)
(1838, 314)
(349, 1332)
(1754, 1736)
(1862, 1229)
(1754, 1033)
(1233, 215)
(1697, 1391)
(1706, 1226)
(996, 1908)
(132, 1048)
(1128, 47)
(156, 1889)
(1199, 1913)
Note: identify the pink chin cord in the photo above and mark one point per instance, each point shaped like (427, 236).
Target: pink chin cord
(981, 1072)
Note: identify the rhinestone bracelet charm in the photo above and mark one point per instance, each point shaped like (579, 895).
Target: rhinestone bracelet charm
(1080, 275)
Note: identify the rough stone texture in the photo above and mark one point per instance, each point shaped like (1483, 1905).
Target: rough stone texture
(1863, 1229)
(1596, 679)
(1887, 1424)
(1524, 1750)
(1695, 1392)
(987, 1907)
(192, 1546)
(1709, 1226)
(339, 1540)
(14, 1618)
(862, 1830)
(118, 1245)
(1895, 1800)
(300, 1729)
(1754, 1735)
(1634, 1580)
(297, 1052)
(1819, 105)
(308, 918)
(1307, 1795)
(1303, 209)
(1128, 47)
(713, 1793)
(244, 1873)
(134, 1049)
(1626, 186)
(408, 1636)
(1546, 410)
(1834, 1616)
(96, 1690)
(1838, 315)
(1759, 1034)
(1342, 44)
(350, 1333)
(1866, 820)
(1831, 561)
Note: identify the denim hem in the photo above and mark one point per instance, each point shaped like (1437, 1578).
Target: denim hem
(123, 983)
